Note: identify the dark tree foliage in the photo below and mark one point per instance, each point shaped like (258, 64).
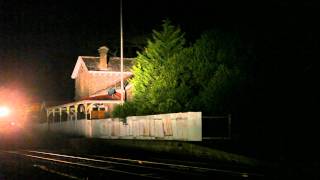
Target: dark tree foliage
(170, 77)
(124, 110)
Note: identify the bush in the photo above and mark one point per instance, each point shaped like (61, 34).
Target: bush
(127, 109)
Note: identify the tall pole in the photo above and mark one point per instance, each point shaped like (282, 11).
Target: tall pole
(121, 52)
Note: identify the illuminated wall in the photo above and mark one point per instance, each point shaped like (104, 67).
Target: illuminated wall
(81, 84)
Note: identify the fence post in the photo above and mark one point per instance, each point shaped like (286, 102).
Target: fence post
(229, 126)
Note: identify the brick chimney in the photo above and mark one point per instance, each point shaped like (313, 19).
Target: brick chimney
(103, 51)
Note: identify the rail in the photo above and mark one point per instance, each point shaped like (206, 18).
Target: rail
(133, 167)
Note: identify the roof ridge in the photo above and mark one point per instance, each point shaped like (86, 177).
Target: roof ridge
(116, 57)
(90, 57)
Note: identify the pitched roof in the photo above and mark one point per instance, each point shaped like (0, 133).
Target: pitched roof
(116, 85)
(92, 63)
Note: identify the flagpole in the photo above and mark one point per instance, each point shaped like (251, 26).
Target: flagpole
(121, 53)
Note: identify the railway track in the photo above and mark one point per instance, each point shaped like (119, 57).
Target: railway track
(92, 167)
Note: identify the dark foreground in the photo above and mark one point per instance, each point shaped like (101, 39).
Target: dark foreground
(42, 156)
(37, 164)
(15, 168)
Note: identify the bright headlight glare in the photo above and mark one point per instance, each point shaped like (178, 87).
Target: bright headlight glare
(4, 111)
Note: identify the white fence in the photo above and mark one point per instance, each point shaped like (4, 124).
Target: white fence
(176, 126)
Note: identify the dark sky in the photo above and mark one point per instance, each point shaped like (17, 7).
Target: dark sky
(40, 40)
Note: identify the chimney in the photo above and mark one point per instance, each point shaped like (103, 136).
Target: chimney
(103, 51)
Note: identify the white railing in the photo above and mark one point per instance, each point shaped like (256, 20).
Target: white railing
(185, 126)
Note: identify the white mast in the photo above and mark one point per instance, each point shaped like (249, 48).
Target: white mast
(121, 53)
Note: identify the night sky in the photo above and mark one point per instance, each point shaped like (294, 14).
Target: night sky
(41, 40)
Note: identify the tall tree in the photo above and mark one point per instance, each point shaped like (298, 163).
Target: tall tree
(206, 76)
(217, 68)
(151, 63)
